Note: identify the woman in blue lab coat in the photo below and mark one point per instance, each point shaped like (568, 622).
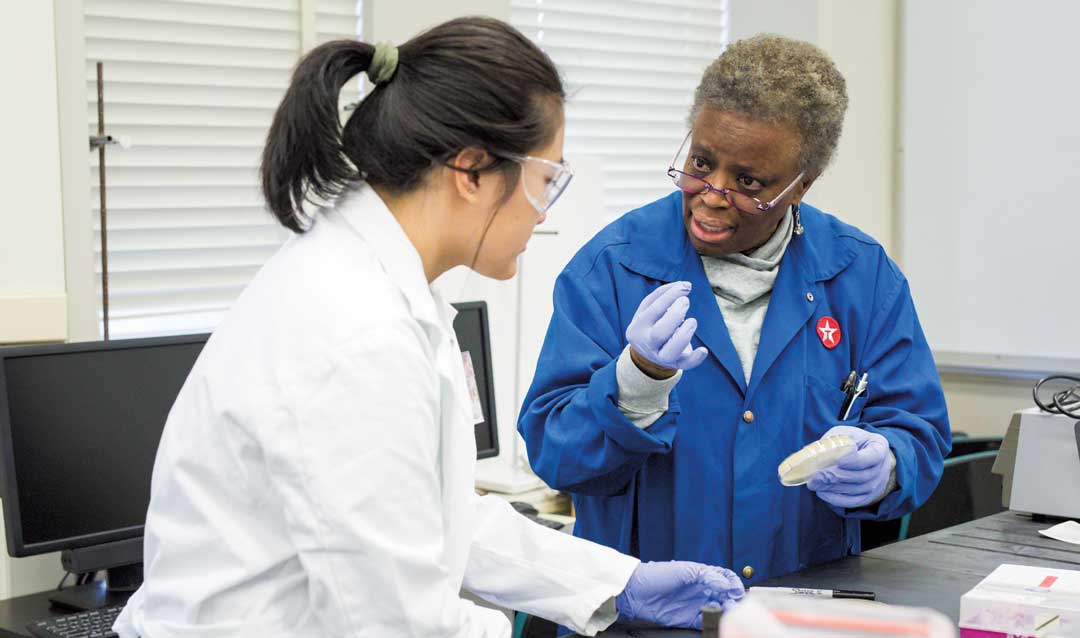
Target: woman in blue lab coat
(699, 340)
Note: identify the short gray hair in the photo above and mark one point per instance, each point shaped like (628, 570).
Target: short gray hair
(777, 79)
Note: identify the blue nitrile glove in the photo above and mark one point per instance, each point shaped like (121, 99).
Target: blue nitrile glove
(672, 593)
(660, 331)
(861, 477)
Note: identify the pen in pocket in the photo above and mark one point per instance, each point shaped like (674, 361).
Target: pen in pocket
(853, 392)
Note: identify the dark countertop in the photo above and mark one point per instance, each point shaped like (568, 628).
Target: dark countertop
(933, 570)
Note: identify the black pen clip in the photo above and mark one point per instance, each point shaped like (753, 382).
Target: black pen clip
(849, 383)
(848, 388)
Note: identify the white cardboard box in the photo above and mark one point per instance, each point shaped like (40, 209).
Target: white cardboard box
(1015, 600)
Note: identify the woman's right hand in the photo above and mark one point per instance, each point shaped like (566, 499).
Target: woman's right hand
(659, 333)
(672, 593)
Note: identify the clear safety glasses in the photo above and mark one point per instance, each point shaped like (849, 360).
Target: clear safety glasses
(544, 180)
(693, 184)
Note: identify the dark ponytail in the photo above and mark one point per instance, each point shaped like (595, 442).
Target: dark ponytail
(467, 82)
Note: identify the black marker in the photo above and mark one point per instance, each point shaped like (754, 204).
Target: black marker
(818, 593)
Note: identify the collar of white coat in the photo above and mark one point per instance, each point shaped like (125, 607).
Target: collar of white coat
(368, 215)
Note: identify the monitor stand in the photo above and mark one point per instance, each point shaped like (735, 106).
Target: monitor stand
(119, 584)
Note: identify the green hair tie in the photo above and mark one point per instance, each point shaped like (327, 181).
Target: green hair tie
(383, 63)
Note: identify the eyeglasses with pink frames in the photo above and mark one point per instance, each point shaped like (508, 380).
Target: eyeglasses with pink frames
(693, 184)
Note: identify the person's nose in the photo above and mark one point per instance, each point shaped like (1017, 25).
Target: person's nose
(542, 219)
(713, 198)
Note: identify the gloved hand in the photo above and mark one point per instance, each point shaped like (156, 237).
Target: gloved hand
(672, 593)
(860, 478)
(660, 331)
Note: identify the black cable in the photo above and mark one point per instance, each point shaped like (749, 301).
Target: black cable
(1065, 402)
(64, 580)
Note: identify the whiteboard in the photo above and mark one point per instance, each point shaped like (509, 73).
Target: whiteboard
(990, 179)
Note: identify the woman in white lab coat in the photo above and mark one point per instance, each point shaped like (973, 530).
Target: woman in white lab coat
(315, 476)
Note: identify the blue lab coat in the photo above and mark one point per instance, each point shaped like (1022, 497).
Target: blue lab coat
(701, 483)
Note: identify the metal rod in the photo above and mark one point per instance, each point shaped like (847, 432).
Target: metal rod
(101, 211)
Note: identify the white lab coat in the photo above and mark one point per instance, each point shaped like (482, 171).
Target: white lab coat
(315, 476)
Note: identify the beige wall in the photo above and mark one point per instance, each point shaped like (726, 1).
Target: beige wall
(981, 406)
(32, 300)
(32, 295)
(858, 187)
(79, 238)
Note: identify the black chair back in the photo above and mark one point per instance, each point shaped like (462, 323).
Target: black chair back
(968, 490)
(963, 446)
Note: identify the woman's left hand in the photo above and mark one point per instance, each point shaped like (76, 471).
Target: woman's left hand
(672, 593)
(860, 478)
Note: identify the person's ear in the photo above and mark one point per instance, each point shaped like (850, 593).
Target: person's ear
(804, 185)
(468, 177)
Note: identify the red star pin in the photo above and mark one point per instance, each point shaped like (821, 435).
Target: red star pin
(829, 332)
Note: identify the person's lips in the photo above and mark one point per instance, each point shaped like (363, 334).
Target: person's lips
(710, 231)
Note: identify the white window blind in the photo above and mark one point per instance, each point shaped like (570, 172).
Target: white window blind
(194, 85)
(337, 20)
(630, 70)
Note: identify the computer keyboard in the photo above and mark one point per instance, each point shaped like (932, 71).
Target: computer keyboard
(96, 623)
(529, 512)
(546, 522)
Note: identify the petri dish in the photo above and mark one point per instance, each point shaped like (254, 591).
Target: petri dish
(800, 466)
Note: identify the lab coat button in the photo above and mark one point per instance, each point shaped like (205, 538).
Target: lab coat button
(748, 416)
(810, 296)
(748, 572)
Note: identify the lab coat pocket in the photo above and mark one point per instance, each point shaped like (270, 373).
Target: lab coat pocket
(855, 414)
(821, 407)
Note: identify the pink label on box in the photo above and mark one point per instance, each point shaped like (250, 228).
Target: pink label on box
(982, 633)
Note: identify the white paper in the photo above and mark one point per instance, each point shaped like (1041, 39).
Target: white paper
(474, 391)
(1069, 532)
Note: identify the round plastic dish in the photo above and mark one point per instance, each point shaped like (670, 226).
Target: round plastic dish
(800, 466)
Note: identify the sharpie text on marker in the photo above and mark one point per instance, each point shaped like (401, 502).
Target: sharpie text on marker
(818, 593)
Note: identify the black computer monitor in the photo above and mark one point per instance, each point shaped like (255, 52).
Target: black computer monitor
(79, 429)
(474, 336)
